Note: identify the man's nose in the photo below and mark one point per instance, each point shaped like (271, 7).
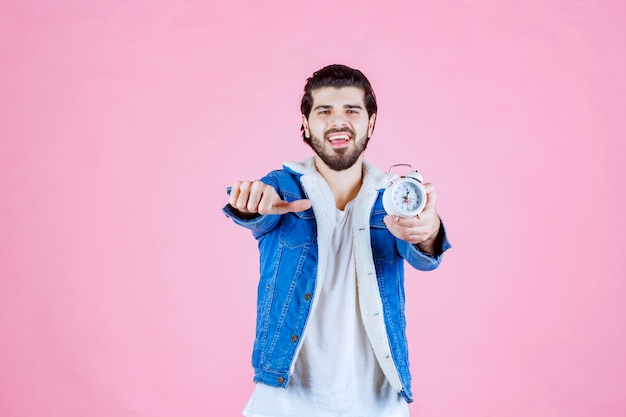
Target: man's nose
(338, 121)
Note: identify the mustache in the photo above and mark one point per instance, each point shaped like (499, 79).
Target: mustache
(339, 130)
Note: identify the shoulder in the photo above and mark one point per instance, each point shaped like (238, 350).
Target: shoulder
(281, 177)
(286, 183)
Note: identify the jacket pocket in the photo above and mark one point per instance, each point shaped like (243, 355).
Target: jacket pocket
(299, 228)
(383, 242)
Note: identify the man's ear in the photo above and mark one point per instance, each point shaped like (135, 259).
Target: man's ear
(305, 125)
(370, 128)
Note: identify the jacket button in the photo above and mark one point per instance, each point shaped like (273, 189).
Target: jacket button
(281, 380)
(307, 296)
(294, 338)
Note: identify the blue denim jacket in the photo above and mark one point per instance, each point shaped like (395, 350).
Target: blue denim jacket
(292, 248)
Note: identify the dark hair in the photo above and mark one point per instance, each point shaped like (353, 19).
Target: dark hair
(337, 76)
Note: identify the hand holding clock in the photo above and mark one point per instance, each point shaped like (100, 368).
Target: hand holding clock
(256, 197)
(421, 230)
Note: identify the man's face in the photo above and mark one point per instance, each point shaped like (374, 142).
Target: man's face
(338, 126)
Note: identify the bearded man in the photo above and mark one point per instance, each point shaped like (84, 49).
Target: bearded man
(331, 329)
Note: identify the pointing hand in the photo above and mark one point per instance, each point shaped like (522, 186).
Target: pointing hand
(250, 197)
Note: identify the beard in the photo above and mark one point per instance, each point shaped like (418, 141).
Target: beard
(342, 158)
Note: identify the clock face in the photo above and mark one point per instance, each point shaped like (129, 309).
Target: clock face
(407, 196)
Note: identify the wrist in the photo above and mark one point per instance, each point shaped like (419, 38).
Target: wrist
(433, 244)
(245, 215)
(427, 246)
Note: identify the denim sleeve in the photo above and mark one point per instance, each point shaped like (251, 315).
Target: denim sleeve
(424, 261)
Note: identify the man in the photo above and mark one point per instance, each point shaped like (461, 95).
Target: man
(330, 335)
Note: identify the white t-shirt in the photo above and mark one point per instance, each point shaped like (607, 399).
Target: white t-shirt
(336, 372)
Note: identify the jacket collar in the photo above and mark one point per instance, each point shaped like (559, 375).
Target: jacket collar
(372, 176)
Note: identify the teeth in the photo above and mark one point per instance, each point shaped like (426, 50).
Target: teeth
(339, 137)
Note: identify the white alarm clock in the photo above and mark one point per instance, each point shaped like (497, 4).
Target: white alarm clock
(404, 196)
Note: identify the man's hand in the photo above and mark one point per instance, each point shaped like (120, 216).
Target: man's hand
(252, 197)
(421, 230)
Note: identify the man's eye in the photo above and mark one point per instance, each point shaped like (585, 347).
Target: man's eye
(324, 112)
(352, 111)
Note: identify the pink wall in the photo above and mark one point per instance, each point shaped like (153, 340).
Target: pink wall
(125, 292)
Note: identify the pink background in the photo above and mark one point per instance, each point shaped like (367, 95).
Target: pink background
(125, 292)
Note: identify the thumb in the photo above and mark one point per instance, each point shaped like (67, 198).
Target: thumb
(283, 207)
(431, 196)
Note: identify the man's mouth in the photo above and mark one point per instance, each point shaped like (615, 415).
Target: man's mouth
(338, 138)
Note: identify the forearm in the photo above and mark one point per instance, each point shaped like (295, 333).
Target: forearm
(427, 258)
(258, 224)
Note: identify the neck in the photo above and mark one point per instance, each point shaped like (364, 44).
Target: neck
(345, 185)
